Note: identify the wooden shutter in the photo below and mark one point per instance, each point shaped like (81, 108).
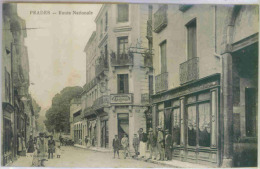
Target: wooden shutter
(163, 57)
(192, 40)
(126, 85)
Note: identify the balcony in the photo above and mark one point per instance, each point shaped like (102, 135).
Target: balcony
(149, 33)
(101, 65)
(122, 60)
(88, 111)
(189, 70)
(121, 98)
(160, 19)
(90, 85)
(145, 98)
(101, 102)
(161, 82)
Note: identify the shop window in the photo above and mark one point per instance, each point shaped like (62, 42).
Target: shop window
(123, 86)
(192, 126)
(122, 12)
(192, 39)
(176, 126)
(204, 124)
(163, 57)
(122, 45)
(251, 111)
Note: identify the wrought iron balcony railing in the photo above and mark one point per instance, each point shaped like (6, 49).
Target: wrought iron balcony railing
(122, 59)
(101, 65)
(160, 19)
(101, 102)
(189, 70)
(161, 82)
(90, 85)
(149, 32)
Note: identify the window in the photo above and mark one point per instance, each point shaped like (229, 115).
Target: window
(199, 123)
(101, 28)
(192, 39)
(122, 86)
(150, 84)
(251, 111)
(163, 57)
(122, 13)
(122, 45)
(176, 126)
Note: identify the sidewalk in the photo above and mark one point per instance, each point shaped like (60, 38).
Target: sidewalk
(22, 161)
(172, 163)
(99, 149)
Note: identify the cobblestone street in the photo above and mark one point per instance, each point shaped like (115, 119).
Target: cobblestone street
(78, 157)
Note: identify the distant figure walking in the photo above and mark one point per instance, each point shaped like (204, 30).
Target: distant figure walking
(51, 147)
(116, 146)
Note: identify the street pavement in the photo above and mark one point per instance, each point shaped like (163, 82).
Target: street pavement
(78, 157)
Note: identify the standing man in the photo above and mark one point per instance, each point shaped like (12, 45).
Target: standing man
(136, 144)
(168, 145)
(41, 150)
(116, 145)
(125, 144)
(142, 139)
(160, 143)
(51, 147)
(152, 143)
(86, 141)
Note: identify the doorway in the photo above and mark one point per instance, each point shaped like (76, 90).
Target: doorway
(123, 125)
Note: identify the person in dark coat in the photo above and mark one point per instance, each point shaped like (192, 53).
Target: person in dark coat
(30, 145)
(51, 147)
(136, 144)
(152, 143)
(116, 145)
(168, 145)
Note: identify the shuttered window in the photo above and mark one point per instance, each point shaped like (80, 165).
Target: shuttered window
(192, 39)
(122, 12)
(163, 57)
(123, 86)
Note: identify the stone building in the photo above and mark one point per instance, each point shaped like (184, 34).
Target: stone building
(119, 75)
(16, 101)
(205, 75)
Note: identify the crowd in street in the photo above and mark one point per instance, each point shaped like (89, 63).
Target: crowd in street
(41, 148)
(159, 143)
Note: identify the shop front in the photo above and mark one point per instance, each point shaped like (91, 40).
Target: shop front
(191, 114)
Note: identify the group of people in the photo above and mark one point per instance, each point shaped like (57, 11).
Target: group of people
(41, 148)
(159, 143)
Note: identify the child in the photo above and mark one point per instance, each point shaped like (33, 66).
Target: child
(58, 152)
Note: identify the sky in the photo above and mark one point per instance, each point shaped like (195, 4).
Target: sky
(55, 49)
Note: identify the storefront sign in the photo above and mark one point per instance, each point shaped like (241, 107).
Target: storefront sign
(121, 98)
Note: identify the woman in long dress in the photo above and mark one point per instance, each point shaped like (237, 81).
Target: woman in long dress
(41, 150)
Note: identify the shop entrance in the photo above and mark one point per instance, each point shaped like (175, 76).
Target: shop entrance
(123, 125)
(104, 133)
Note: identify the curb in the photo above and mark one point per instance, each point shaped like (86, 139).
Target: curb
(156, 162)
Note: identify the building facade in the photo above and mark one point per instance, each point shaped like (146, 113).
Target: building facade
(17, 108)
(115, 100)
(204, 93)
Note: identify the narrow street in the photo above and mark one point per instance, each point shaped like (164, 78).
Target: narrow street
(78, 157)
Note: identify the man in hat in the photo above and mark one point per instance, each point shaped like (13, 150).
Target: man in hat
(160, 143)
(116, 146)
(142, 139)
(168, 145)
(152, 143)
(136, 144)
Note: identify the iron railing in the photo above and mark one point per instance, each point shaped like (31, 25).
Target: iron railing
(161, 82)
(123, 59)
(101, 102)
(90, 85)
(189, 70)
(160, 18)
(101, 65)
